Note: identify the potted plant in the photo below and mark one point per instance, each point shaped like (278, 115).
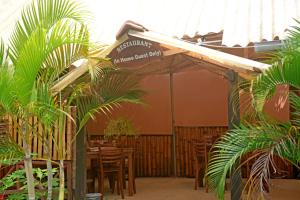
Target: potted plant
(119, 128)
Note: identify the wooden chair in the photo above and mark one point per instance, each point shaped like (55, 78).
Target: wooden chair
(111, 163)
(128, 149)
(201, 161)
(129, 169)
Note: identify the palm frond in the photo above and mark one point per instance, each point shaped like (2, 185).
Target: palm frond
(3, 54)
(38, 48)
(44, 106)
(10, 151)
(28, 65)
(268, 138)
(68, 43)
(115, 87)
(42, 14)
(295, 105)
(7, 96)
(117, 84)
(228, 151)
(258, 182)
(263, 137)
(284, 69)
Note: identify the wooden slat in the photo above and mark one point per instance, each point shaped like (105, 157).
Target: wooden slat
(68, 138)
(31, 133)
(185, 135)
(19, 136)
(40, 141)
(53, 148)
(35, 136)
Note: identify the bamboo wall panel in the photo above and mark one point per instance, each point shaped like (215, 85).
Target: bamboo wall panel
(37, 132)
(184, 150)
(185, 157)
(152, 154)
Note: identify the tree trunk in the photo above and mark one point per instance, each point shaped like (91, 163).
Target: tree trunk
(28, 163)
(49, 164)
(29, 176)
(61, 180)
(50, 178)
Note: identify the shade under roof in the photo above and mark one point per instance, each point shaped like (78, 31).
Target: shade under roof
(242, 21)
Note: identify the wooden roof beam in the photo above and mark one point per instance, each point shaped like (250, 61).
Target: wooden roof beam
(225, 60)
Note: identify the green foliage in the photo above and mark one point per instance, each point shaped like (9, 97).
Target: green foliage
(10, 151)
(108, 91)
(119, 127)
(262, 139)
(47, 39)
(18, 176)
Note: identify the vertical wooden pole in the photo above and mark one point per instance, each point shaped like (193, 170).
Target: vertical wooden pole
(80, 179)
(173, 124)
(233, 120)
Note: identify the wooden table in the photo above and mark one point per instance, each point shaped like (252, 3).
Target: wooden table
(129, 154)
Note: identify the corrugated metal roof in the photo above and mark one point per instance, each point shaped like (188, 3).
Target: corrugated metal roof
(256, 20)
(242, 21)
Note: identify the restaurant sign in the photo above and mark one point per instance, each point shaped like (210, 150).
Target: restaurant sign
(135, 52)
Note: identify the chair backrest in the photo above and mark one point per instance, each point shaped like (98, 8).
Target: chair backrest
(210, 139)
(199, 149)
(200, 152)
(111, 155)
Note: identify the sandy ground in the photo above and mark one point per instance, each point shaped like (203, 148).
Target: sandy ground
(182, 189)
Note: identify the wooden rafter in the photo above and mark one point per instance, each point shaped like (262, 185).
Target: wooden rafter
(241, 65)
(245, 67)
(173, 51)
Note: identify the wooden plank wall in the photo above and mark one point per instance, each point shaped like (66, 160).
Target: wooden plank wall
(184, 150)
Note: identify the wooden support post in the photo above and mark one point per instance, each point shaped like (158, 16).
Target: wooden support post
(233, 120)
(80, 177)
(173, 125)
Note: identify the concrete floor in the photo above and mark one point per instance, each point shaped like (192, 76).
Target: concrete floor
(182, 189)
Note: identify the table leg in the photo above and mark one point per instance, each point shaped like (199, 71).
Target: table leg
(130, 175)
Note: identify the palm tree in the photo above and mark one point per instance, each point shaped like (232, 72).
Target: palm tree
(106, 91)
(48, 38)
(262, 138)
